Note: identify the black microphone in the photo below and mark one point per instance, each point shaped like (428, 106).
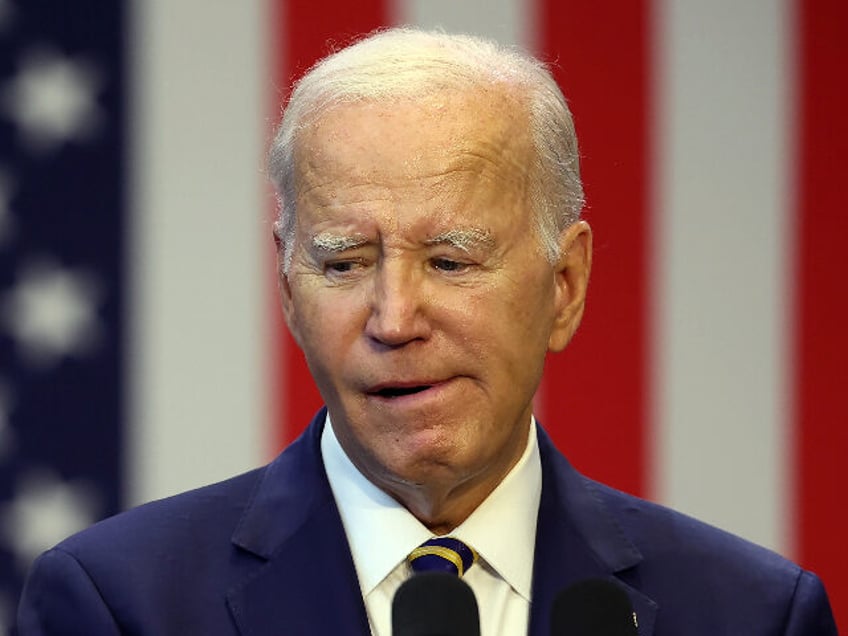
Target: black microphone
(594, 607)
(435, 604)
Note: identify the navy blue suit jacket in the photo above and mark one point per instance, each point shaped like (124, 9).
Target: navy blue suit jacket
(265, 553)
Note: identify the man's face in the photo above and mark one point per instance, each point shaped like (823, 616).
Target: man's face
(418, 290)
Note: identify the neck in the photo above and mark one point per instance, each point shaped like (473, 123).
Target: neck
(441, 511)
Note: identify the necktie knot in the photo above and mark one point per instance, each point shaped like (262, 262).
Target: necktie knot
(442, 554)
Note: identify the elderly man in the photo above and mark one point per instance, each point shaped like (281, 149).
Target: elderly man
(431, 255)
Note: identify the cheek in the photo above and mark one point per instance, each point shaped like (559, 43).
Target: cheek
(324, 312)
(315, 323)
(332, 325)
(521, 316)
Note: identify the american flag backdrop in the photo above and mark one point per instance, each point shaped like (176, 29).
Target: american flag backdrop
(141, 347)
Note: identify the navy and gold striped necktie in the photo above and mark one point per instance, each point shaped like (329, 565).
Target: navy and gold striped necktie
(442, 554)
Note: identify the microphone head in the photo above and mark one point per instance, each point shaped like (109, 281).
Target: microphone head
(435, 604)
(594, 607)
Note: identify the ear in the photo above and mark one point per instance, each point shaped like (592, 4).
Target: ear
(571, 280)
(288, 305)
(285, 291)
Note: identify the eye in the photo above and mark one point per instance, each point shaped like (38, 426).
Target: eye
(340, 267)
(448, 265)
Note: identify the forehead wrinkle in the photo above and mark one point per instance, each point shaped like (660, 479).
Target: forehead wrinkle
(333, 242)
(495, 156)
(463, 239)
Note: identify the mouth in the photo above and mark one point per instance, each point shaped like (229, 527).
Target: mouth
(389, 391)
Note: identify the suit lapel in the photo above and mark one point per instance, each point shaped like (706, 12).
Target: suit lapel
(576, 539)
(304, 581)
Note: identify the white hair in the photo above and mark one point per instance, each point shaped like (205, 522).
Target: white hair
(404, 62)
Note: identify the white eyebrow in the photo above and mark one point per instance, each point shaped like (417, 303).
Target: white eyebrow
(330, 242)
(464, 240)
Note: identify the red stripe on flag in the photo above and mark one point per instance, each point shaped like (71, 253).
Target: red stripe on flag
(595, 393)
(305, 32)
(821, 335)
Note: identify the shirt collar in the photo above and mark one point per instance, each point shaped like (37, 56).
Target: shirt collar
(381, 532)
(503, 528)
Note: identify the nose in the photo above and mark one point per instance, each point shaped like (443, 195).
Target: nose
(397, 307)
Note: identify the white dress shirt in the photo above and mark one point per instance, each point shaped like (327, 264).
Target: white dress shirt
(381, 533)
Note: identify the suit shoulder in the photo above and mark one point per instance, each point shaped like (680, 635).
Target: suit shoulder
(661, 533)
(208, 513)
(731, 584)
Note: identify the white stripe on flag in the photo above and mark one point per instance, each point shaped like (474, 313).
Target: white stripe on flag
(199, 273)
(507, 21)
(723, 74)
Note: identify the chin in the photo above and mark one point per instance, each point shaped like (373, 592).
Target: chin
(417, 469)
(440, 472)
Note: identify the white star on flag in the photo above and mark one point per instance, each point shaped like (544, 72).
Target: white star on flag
(52, 100)
(44, 511)
(51, 313)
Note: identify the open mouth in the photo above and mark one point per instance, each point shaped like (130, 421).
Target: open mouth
(399, 391)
